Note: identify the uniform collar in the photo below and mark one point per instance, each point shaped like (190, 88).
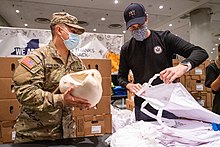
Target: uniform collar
(53, 50)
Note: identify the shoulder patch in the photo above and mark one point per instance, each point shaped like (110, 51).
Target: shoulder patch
(28, 62)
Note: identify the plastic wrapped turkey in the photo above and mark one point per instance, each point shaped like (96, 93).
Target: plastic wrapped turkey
(87, 83)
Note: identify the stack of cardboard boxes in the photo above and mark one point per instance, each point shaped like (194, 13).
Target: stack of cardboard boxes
(194, 82)
(97, 120)
(91, 122)
(9, 106)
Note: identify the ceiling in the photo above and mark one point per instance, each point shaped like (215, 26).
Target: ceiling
(174, 12)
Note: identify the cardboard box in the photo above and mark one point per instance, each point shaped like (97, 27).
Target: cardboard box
(195, 83)
(206, 98)
(198, 87)
(183, 80)
(106, 86)
(130, 95)
(199, 70)
(102, 65)
(176, 62)
(210, 97)
(130, 104)
(8, 66)
(103, 107)
(195, 77)
(9, 109)
(202, 77)
(7, 134)
(208, 89)
(209, 108)
(93, 125)
(6, 87)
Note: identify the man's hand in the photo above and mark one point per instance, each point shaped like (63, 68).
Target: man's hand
(72, 101)
(170, 74)
(134, 88)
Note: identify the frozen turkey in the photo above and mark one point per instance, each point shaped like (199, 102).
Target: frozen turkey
(87, 83)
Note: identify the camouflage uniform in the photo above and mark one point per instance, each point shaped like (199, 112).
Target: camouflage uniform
(43, 113)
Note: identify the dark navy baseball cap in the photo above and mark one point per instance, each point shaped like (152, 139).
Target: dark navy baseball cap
(134, 14)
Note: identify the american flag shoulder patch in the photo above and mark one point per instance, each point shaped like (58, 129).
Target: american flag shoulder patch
(28, 62)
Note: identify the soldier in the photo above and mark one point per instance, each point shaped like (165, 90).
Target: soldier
(46, 113)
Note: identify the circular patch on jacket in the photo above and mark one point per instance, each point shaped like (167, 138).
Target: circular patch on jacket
(157, 49)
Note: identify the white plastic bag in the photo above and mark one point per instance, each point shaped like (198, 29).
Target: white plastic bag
(177, 100)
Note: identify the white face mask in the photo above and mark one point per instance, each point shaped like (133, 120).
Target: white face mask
(141, 33)
(72, 41)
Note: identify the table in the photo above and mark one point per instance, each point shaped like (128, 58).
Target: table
(93, 141)
(118, 97)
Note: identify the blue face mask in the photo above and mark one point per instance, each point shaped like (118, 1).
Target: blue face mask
(140, 34)
(72, 41)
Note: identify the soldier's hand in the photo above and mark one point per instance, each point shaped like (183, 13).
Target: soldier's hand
(73, 101)
(134, 88)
